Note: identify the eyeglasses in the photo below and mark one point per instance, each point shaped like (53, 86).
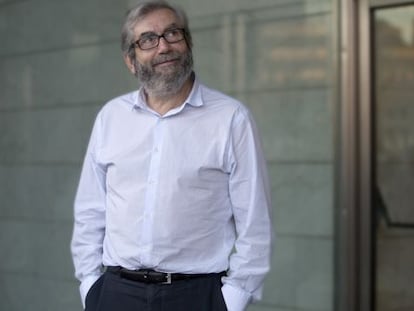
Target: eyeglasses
(151, 40)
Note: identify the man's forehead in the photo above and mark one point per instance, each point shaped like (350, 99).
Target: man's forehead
(156, 21)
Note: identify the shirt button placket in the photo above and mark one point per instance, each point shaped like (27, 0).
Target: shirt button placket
(151, 194)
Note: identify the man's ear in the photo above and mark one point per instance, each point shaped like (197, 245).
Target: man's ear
(130, 64)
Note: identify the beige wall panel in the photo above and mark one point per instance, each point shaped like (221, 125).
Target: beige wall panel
(27, 243)
(301, 278)
(217, 7)
(258, 50)
(302, 197)
(21, 291)
(41, 136)
(38, 192)
(68, 77)
(296, 125)
(38, 26)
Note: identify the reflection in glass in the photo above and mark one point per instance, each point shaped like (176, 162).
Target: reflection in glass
(394, 157)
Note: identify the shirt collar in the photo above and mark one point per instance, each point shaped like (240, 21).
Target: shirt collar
(194, 99)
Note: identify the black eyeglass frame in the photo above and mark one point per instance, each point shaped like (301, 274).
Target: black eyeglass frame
(137, 44)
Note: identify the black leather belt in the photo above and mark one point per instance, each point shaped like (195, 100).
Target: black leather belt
(155, 277)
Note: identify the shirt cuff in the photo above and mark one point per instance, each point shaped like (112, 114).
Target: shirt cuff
(235, 298)
(86, 286)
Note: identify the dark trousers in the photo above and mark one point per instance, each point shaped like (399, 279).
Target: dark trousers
(113, 293)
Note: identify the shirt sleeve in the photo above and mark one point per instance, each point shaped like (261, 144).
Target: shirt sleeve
(250, 198)
(89, 214)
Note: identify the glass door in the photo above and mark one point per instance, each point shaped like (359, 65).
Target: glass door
(393, 156)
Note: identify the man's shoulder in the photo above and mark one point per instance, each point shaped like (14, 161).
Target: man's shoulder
(214, 97)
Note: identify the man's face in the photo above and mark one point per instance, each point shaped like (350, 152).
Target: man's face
(162, 70)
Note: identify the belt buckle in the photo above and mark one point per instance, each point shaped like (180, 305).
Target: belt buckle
(168, 281)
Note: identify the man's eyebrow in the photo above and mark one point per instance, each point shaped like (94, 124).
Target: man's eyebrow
(146, 33)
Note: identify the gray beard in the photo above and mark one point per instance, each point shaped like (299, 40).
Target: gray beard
(165, 84)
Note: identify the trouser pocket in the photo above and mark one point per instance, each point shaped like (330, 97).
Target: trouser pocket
(92, 297)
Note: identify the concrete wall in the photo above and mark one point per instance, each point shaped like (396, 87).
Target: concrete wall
(60, 61)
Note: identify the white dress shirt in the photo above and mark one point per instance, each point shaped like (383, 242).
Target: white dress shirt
(185, 192)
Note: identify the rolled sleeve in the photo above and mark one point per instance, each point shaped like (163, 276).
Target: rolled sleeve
(86, 286)
(236, 299)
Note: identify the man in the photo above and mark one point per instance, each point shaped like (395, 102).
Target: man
(173, 199)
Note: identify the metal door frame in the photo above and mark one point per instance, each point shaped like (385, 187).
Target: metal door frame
(355, 247)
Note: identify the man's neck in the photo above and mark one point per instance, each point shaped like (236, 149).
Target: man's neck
(166, 103)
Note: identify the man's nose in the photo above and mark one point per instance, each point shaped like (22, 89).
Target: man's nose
(163, 45)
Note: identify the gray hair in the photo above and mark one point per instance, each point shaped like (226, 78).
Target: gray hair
(142, 9)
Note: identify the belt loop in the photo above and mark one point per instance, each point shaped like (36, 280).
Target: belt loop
(169, 278)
